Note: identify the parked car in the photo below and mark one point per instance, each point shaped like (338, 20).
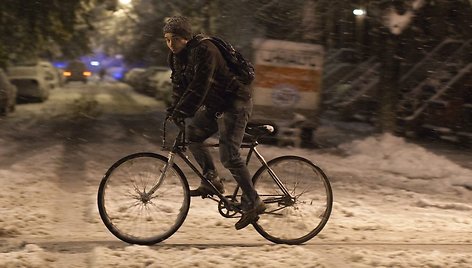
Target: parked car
(62, 79)
(162, 85)
(7, 94)
(32, 81)
(76, 71)
(134, 78)
(153, 81)
(148, 85)
(54, 77)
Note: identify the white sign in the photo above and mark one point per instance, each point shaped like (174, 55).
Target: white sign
(288, 79)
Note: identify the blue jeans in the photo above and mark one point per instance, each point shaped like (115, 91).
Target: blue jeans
(230, 128)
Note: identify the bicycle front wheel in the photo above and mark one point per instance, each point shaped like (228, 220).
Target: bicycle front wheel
(299, 215)
(130, 211)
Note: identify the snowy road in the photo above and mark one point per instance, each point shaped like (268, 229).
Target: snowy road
(397, 204)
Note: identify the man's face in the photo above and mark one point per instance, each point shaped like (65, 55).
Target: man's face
(174, 42)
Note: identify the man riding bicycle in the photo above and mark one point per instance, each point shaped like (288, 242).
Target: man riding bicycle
(204, 89)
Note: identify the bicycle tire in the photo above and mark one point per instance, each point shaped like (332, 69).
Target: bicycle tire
(297, 221)
(128, 215)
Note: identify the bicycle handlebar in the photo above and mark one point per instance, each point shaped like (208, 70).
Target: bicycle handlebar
(180, 138)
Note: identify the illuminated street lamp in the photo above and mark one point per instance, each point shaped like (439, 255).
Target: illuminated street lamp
(123, 9)
(125, 2)
(359, 12)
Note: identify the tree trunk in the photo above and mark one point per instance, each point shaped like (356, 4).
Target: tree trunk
(389, 91)
(310, 22)
(211, 14)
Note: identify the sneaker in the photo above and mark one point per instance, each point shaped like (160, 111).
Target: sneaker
(251, 215)
(204, 189)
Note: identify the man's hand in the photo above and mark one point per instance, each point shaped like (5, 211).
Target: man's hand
(178, 118)
(169, 111)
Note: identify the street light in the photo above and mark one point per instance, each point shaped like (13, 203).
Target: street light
(359, 12)
(125, 2)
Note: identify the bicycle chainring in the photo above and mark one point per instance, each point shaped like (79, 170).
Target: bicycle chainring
(225, 211)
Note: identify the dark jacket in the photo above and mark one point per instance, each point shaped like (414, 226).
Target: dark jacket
(200, 76)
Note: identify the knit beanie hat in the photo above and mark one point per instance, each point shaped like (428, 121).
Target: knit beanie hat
(178, 25)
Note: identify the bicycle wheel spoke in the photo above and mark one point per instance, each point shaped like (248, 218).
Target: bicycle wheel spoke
(273, 211)
(296, 183)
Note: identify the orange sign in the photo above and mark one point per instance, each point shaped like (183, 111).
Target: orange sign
(302, 79)
(288, 77)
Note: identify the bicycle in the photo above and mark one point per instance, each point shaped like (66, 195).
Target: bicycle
(144, 197)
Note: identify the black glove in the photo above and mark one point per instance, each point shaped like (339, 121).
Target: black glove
(169, 112)
(178, 118)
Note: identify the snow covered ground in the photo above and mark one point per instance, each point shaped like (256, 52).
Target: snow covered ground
(396, 204)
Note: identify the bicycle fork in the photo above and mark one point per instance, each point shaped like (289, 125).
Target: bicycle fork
(170, 162)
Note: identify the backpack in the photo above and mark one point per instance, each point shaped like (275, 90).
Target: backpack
(238, 65)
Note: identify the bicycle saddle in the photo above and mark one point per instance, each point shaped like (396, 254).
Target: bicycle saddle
(259, 130)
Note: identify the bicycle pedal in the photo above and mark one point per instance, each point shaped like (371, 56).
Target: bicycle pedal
(210, 196)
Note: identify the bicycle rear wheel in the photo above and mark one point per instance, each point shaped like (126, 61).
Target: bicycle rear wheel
(298, 219)
(127, 209)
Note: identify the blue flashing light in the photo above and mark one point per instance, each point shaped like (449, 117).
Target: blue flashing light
(117, 75)
(59, 64)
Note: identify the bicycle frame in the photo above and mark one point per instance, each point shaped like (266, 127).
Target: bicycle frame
(179, 147)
